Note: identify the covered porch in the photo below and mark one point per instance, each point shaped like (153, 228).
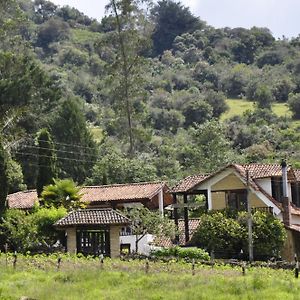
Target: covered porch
(226, 189)
(93, 231)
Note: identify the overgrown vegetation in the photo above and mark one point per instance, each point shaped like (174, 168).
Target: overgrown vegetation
(153, 87)
(37, 277)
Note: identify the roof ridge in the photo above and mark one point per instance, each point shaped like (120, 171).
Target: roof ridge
(124, 184)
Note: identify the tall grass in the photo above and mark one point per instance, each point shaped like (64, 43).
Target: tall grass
(81, 279)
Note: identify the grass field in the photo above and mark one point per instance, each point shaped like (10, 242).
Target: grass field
(38, 278)
(238, 106)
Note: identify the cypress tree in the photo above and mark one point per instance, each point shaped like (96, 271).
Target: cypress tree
(46, 160)
(75, 144)
(3, 178)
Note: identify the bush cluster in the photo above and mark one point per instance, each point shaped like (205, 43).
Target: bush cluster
(183, 253)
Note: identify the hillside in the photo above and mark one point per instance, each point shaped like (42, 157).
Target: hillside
(142, 97)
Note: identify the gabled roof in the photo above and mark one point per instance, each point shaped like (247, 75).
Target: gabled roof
(121, 192)
(188, 183)
(256, 172)
(22, 200)
(93, 217)
(104, 193)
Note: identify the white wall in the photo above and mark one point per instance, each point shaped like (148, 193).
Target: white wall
(143, 244)
(265, 184)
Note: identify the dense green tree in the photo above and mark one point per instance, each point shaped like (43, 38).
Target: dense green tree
(220, 234)
(114, 167)
(208, 149)
(73, 141)
(269, 57)
(171, 19)
(44, 10)
(18, 231)
(15, 176)
(52, 31)
(226, 234)
(31, 232)
(46, 160)
(217, 101)
(263, 97)
(294, 105)
(197, 111)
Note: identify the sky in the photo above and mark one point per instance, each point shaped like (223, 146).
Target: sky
(280, 16)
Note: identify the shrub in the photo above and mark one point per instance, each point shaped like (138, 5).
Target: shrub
(30, 231)
(294, 105)
(219, 233)
(183, 253)
(226, 234)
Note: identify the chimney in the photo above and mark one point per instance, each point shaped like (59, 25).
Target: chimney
(286, 206)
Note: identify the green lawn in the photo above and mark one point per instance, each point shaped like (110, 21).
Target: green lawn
(38, 278)
(238, 106)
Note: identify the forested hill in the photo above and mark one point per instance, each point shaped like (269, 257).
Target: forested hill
(139, 96)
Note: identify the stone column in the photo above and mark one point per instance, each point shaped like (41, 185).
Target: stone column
(71, 240)
(114, 233)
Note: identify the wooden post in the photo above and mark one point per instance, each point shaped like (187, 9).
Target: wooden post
(58, 263)
(147, 266)
(101, 259)
(176, 219)
(243, 268)
(15, 260)
(193, 267)
(296, 266)
(250, 238)
(186, 219)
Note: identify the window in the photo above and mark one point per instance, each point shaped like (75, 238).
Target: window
(295, 186)
(237, 200)
(277, 189)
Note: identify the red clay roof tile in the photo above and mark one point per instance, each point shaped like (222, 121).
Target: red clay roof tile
(92, 217)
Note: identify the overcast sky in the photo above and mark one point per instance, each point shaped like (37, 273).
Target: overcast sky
(280, 16)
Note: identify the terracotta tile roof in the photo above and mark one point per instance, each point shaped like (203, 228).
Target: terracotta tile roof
(117, 192)
(22, 200)
(297, 174)
(188, 183)
(167, 242)
(133, 191)
(92, 217)
(257, 171)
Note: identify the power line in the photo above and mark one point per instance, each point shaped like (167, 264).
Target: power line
(62, 151)
(62, 158)
(64, 144)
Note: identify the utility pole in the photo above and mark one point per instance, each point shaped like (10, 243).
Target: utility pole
(250, 237)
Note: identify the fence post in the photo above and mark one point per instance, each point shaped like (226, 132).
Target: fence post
(58, 263)
(296, 267)
(243, 268)
(212, 258)
(147, 266)
(15, 260)
(193, 266)
(101, 259)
